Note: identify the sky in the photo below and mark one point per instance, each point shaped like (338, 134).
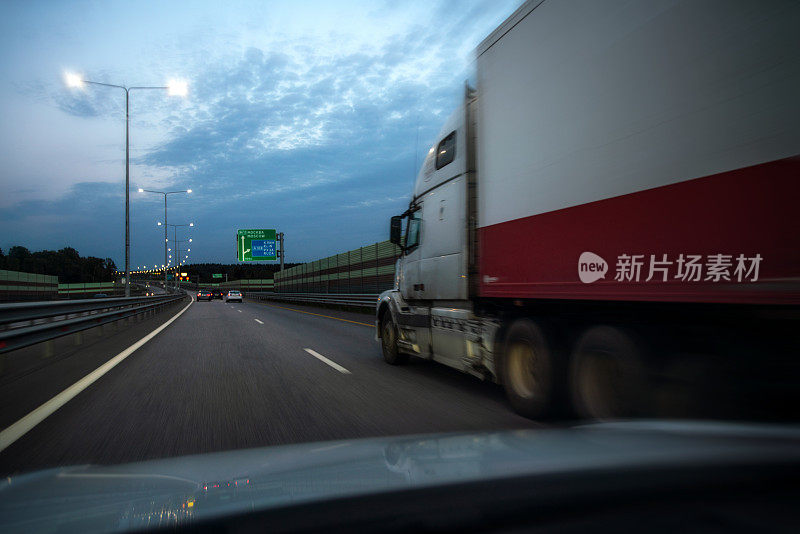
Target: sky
(307, 117)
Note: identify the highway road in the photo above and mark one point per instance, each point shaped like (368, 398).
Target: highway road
(231, 376)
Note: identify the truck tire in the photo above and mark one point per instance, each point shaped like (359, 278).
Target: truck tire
(528, 370)
(391, 354)
(607, 378)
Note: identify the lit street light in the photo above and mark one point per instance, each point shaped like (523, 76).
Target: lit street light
(174, 87)
(165, 225)
(177, 244)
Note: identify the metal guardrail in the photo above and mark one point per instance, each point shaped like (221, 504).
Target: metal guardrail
(27, 323)
(359, 300)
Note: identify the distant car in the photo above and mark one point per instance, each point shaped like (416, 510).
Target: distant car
(205, 294)
(233, 295)
(100, 296)
(217, 293)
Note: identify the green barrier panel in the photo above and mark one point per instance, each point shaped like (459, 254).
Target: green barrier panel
(366, 269)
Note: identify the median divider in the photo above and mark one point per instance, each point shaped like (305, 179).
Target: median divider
(28, 323)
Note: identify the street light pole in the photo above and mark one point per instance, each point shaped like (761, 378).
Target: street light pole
(177, 246)
(175, 88)
(177, 254)
(166, 239)
(178, 261)
(280, 240)
(166, 236)
(127, 194)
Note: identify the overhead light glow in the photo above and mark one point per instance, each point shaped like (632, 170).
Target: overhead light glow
(178, 87)
(73, 80)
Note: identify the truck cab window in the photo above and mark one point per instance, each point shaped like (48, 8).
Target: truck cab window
(412, 230)
(446, 151)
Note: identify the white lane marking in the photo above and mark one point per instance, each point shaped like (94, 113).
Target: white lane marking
(24, 425)
(259, 322)
(322, 358)
(240, 311)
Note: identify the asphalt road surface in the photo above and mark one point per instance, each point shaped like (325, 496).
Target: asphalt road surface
(231, 376)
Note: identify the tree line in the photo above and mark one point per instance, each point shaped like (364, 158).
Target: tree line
(67, 264)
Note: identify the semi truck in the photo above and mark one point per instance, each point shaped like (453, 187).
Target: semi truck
(612, 209)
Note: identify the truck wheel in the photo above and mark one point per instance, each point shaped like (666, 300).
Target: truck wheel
(528, 370)
(391, 355)
(607, 374)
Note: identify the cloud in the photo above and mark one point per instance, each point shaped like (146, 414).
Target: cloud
(314, 134)
(84, 218)
(331, 115)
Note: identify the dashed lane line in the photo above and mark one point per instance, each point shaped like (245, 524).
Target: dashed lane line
(323, 359)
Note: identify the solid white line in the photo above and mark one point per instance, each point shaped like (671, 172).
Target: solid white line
(322, 358)
(259, 322)
(24, 425)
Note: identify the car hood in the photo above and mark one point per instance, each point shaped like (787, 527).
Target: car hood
(185, 489)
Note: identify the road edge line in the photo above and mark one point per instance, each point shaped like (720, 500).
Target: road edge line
(18, 429)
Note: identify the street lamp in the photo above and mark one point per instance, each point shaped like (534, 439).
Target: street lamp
(174, 87)
(177, 244)
(166, 239)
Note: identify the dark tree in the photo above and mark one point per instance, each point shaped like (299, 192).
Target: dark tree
(66, 263)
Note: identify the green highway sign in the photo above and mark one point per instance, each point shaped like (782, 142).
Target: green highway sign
(256, 245)
(216, 275)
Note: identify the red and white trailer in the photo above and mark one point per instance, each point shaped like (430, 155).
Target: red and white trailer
(616, 198)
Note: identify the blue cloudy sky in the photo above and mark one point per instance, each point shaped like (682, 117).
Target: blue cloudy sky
(300, 116)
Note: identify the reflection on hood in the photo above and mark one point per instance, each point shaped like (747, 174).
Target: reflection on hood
(180, 490)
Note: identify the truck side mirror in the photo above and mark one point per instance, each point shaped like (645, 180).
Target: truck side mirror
(396, 229)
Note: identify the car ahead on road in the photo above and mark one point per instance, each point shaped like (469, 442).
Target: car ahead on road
(100, 296)
(205, 294)
(233, 295)
(217, 293)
